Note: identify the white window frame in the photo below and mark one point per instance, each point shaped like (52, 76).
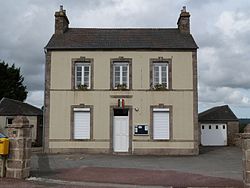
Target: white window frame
(167, 135)
(160, 65)
(83, 65)
(87, 110)
(121, 64)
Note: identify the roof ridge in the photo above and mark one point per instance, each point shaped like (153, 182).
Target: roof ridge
(20, 102)
(6, 98)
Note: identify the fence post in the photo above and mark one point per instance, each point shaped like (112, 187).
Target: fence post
(18, 163)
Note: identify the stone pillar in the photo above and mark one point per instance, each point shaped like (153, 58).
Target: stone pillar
(18, 163)
(246, 156)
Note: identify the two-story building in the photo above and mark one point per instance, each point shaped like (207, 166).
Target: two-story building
(128, 90)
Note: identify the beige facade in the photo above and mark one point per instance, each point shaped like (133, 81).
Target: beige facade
(129, 90)
(182, 97)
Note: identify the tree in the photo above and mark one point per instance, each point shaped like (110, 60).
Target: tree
(11, 82)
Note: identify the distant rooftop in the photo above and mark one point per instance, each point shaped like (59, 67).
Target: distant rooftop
(10, 107)
(218, 113)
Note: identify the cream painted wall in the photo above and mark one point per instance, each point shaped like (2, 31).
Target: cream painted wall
(60, 112)
(62, 97)
(181, 68)
(2, 124)
(79, 144)
(32, 121)
(182, 145)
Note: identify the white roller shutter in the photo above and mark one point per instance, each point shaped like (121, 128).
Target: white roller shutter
(161, 124)
(82, 124)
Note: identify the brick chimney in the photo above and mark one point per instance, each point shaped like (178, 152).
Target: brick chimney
(184, 22)
(61, 21)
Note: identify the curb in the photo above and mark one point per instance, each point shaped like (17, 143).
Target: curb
(82, 183)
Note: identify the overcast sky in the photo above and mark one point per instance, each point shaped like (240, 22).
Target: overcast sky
(221, 29)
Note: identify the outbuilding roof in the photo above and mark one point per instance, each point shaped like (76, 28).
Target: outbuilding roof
(10, 107)
(218, 113)
(122, 39)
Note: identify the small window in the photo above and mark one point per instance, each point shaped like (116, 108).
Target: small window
(9, 121)
(209, 126)
(223, 126)
(82, 75)
(202, 126)
(217, 127)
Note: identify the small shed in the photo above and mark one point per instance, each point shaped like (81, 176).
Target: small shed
(10, 108)
(218, 126)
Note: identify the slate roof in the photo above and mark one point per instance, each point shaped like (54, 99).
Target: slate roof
(218, 113)
(123, 39)
(10, 107)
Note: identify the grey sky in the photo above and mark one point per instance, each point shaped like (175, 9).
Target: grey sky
(220, 27)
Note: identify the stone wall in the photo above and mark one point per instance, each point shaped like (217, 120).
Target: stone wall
(232, 130)
(18, 162)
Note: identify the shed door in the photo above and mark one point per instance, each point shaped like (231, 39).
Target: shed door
(121, 132)
(213, 134)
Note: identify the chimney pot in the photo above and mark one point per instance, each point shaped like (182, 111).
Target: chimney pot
(184, 21)
(183, 9)
(61, 21)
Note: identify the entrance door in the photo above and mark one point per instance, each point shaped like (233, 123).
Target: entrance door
(121, 130)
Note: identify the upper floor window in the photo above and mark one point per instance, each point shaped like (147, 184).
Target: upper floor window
(83, 73)
(121, 73)
(160, 74)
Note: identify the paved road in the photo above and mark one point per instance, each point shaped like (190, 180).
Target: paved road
(214, 167)
(222, 162)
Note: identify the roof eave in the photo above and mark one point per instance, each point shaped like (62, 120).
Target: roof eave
(121, 49)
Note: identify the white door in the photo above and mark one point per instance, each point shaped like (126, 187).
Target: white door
(213, 134)
(121, 133)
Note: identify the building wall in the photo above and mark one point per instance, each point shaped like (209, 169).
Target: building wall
(182, 69)
(232, 131)
(32, 121)
(180, 97)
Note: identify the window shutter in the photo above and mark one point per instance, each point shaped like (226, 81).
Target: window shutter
(161, 125)
(82, 125)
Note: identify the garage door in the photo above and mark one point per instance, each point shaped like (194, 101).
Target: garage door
(213, 134)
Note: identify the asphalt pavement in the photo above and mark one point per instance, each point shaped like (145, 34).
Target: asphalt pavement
(214, 167)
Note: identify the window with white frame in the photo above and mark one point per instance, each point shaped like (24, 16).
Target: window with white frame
(160, 75)
(81, 123)
(120, 75)
(82, 75)
(161, 124)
